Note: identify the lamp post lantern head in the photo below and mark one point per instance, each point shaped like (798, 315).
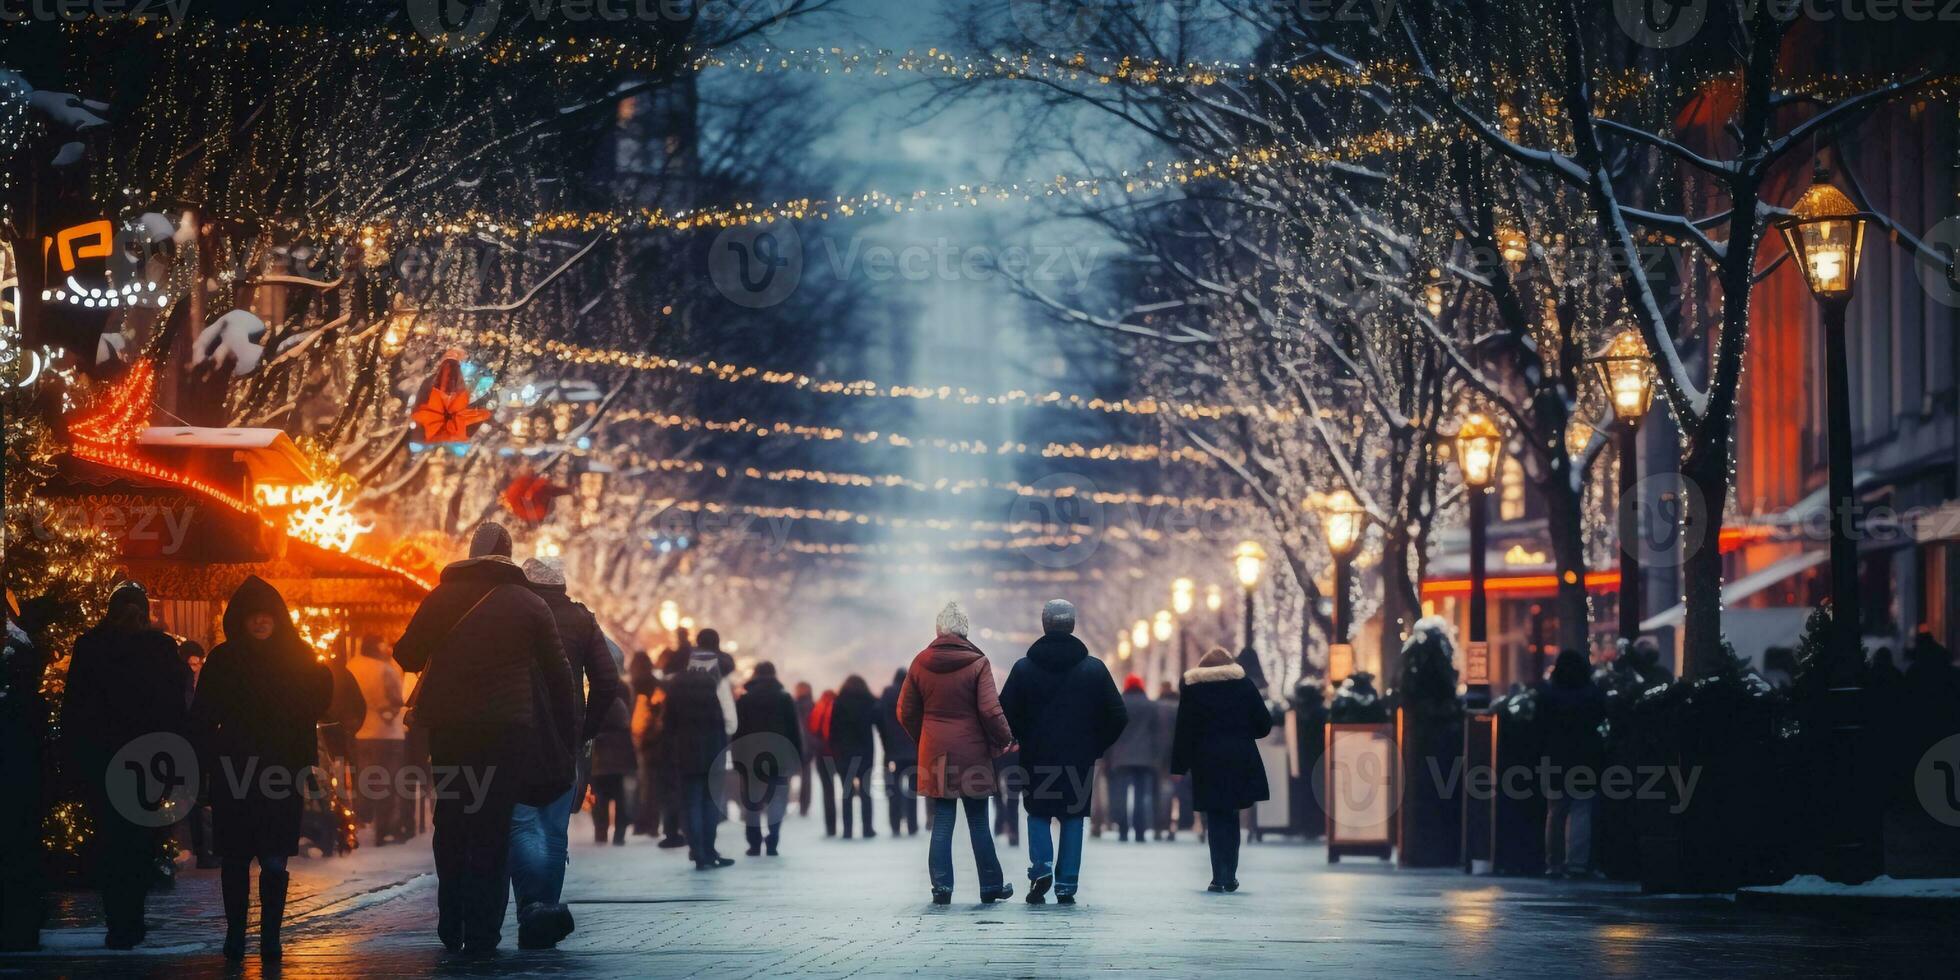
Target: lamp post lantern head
(1160, 626)
(670, 615)
(1825, 233)
(1248, 562)
(1123, 647)
(1342, 519)
(1214, 599)
(1627, 374)
(1578, 436)
(1140, 635)
(1478, 443)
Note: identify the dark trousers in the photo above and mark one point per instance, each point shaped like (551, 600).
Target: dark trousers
(388, 812)
(902, 794)
(1007, 815)
(827, 774)
(1222, 837)
(854, 775)
(472, 851)
(803, 786)
(609, 794)
(939, 858)
(1181, 789)
(1131, 789)
(700, 811)
(126, 862)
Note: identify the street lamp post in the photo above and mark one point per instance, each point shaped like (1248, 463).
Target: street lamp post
(1825, 233)
(1625, 371)
(1478, 443)
(1183, 597)
(1248, 562)
(1342, 521)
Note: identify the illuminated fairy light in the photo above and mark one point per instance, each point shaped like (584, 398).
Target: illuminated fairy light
(640, 360)
(943, 485)
(1132, 452)
(319, 513)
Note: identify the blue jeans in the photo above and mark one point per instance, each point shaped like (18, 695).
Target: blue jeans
(699, 815)
(1133, 789)
(940, 857)
(538, 850)
(1041, 852)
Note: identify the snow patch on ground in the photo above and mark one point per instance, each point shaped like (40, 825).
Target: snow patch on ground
(1883, 886)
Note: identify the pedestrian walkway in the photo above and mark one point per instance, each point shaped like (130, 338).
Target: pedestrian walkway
(832, 909)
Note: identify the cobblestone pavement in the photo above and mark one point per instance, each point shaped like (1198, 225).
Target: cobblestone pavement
(832, 908)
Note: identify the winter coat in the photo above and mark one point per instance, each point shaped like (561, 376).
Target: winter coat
(1137, 746)
(1220, 720)
(253, 720)
(950, 708)
(817, 725)
(1065, 711)
(122, 684)
(898, 746)
(586, 652)
(483, 662)
(853, 727)
(381, 690)
(1569, 716)
(700, 714)
(612, 747)
(768, 735)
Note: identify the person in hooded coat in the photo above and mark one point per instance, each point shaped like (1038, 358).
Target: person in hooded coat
(540, 835)
(700, 720)
(1220, 719)
(125, 682)
(1133, 764)
(258, 698)
(768, 748)
(1064, 710)
(1570, 710)
(817, 727)
(949, 706)
(901, 761)
(612, 761)
(495, 685)
(853, 724)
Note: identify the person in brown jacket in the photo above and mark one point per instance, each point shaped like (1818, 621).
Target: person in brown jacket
(949, 705)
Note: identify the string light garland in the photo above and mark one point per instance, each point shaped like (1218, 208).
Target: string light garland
(1131, 452)
(942, 485)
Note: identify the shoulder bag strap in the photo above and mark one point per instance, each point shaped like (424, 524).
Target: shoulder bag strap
(415, 696)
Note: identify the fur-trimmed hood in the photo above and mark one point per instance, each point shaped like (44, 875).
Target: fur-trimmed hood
(1208, 675)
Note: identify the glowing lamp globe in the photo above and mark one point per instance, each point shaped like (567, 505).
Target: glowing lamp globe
(1626, 373)
(1160, 627)
(1248, 562)
(1214, 598)
(1478, 443)
(1140, 635)
(1342, 519)
(1182, 593)
(1578, 436)
(1825, 233)
(670, 615)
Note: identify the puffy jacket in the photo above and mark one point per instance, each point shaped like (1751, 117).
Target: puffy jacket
(484, 656)
(949, 706)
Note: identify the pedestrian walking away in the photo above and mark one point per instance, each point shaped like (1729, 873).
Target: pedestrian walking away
(701, 719)
(1065, 713)
(612, 761)
(1570, 710)
(258, 697)
(1133, 765)
(1220, 720)
(380, 744)
(901, 761)
(495, 684)
(950, 707)
(818, 729)
(853, 727)
(768, 748)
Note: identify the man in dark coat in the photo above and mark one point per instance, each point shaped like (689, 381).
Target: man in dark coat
(1220, 719)
(901, 761)
(258, 698)
(1570, 710)
(540, 835)
(479, 640)
(853, 720)
(768, 747)
(125, 682)
(700, 720)
(806, 701)
(1065, 712)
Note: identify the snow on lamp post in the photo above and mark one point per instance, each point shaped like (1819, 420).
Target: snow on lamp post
(1478, 445)
(1825, 233)
(1625, 372)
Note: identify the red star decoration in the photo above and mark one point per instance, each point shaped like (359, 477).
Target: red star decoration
(529, 496)
(447, 416)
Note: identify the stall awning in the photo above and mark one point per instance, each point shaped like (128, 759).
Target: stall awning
(1744, 587)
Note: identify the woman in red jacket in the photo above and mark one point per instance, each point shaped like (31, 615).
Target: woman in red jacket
(949, 705)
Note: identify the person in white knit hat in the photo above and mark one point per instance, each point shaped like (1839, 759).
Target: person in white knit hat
(950, 707)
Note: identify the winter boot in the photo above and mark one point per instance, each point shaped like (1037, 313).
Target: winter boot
(755, 841)
(272, 911)
(235, 881)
